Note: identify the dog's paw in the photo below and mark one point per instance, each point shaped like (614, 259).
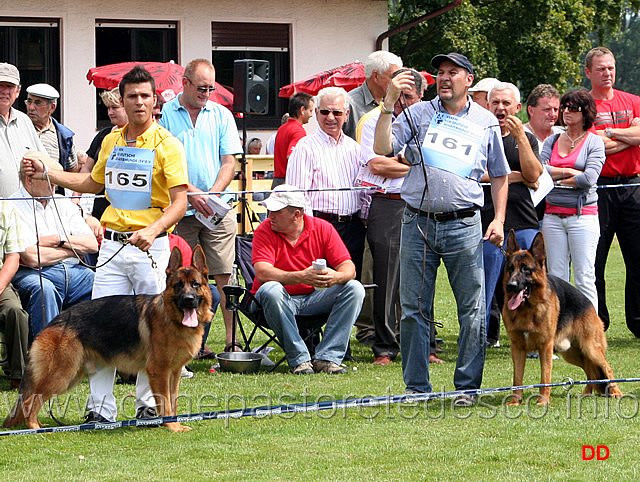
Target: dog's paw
(612, 390)
(176, 427)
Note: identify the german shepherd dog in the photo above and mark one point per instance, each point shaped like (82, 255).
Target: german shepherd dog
(156, 333)
(542, 311)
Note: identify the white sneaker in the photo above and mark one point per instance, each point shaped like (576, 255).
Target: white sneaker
(186, 373)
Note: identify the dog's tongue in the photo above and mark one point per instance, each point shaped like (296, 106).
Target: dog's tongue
(516, 300)
(190, 318)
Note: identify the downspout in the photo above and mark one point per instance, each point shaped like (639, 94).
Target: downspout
(412, 23)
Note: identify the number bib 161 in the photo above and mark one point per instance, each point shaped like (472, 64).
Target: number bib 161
(452, 143)
(127, 177)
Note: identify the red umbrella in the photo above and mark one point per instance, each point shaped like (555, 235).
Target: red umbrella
(347, 76)
(167, 76)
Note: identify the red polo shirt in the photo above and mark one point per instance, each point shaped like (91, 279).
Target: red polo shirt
(318, 240)
(287, 137)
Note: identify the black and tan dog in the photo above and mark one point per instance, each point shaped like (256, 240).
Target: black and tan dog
(542, 311)
(156, 333)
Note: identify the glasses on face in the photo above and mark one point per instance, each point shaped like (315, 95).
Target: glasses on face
(336, 113)
(571, 108)
(36, 102)
(202, 90)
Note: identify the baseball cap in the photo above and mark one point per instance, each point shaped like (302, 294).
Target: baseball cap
(43, 90)
(458, 59)
(485, 85)
(282, 196)
(9, 73)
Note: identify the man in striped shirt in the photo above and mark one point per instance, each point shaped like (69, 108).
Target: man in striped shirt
(329, 160)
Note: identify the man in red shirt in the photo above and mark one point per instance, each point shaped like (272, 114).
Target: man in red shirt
(289, 133)
(619, 207)
(284, 247)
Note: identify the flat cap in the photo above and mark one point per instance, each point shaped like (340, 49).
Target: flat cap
(43, 90)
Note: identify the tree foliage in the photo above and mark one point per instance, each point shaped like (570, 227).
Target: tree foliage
(527, 43)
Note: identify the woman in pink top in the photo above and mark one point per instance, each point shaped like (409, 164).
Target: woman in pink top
(570, 225)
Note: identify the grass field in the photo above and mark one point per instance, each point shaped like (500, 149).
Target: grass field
(404, 442)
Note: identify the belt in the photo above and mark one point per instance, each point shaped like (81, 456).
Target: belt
(448, 216)
(618, 179)
(123, 238)
(336, 218)
(388, 196)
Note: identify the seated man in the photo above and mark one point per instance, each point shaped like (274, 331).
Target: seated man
(284, 248)
(14, 321)
(51, 240)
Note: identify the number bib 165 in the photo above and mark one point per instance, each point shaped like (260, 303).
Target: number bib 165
(127, 177)
(452, 143)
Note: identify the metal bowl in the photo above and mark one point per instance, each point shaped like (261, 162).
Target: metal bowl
(240, 362)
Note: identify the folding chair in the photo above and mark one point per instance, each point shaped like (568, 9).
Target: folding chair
(310, 326)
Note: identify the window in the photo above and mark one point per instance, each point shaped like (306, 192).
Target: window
(33, 46)
(260, 41)
(131, 41)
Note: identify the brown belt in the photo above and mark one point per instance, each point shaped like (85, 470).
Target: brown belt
(388, 196)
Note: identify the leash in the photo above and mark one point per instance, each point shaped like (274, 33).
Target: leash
(568, 383)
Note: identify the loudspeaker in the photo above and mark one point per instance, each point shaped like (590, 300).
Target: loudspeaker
(251, 86)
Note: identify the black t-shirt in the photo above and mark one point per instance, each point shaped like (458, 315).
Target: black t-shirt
(521, 214)
(99, 204)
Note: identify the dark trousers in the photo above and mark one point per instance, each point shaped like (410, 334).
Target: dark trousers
(619, 210)
(352, 234)
(383, 234)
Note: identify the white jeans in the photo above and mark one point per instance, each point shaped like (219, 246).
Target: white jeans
(573, 240)
(130, 272)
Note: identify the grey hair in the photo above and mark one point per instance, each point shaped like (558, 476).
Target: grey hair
(380, 61)
(332, 93)
(505, 86)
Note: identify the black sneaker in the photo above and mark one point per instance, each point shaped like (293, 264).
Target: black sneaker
(146, 412)
(95, 417)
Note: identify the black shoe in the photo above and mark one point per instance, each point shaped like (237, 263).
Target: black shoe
(95, 417)
(146, 412)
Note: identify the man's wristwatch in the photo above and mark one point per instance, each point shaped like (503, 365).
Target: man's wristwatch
(61, 243)
(607, 132)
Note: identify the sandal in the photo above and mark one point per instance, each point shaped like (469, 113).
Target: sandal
(206, 354)
(233, 346)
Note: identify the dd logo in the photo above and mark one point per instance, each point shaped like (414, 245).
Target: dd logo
(601, 452)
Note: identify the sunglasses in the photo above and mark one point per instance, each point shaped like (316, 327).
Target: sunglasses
(202, 90)
(336, 113)
(571, 108)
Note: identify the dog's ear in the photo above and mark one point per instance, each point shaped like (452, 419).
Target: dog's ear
(537, 249)
(512, 243)
(175, 261)
(199, 261)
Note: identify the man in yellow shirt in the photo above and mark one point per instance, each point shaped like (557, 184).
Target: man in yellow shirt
(144, 172)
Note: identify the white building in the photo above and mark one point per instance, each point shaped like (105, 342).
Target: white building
(59, 41)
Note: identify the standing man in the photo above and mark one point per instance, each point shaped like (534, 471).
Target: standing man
(384, 225)
(480, 91)
(144, 171)
(328, 159)
(543, 106)
(378, 69)
(210, 138)
(521, 150)
(288, 135)
(455, 143)
(17, 134)
(41, 101)
(619, 208)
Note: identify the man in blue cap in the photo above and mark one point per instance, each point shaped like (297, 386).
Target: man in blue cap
(456, 142)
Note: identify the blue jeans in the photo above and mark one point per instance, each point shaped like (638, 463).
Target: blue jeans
(459, 244)
(493, 265)
(341, 302)
(64, 285)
